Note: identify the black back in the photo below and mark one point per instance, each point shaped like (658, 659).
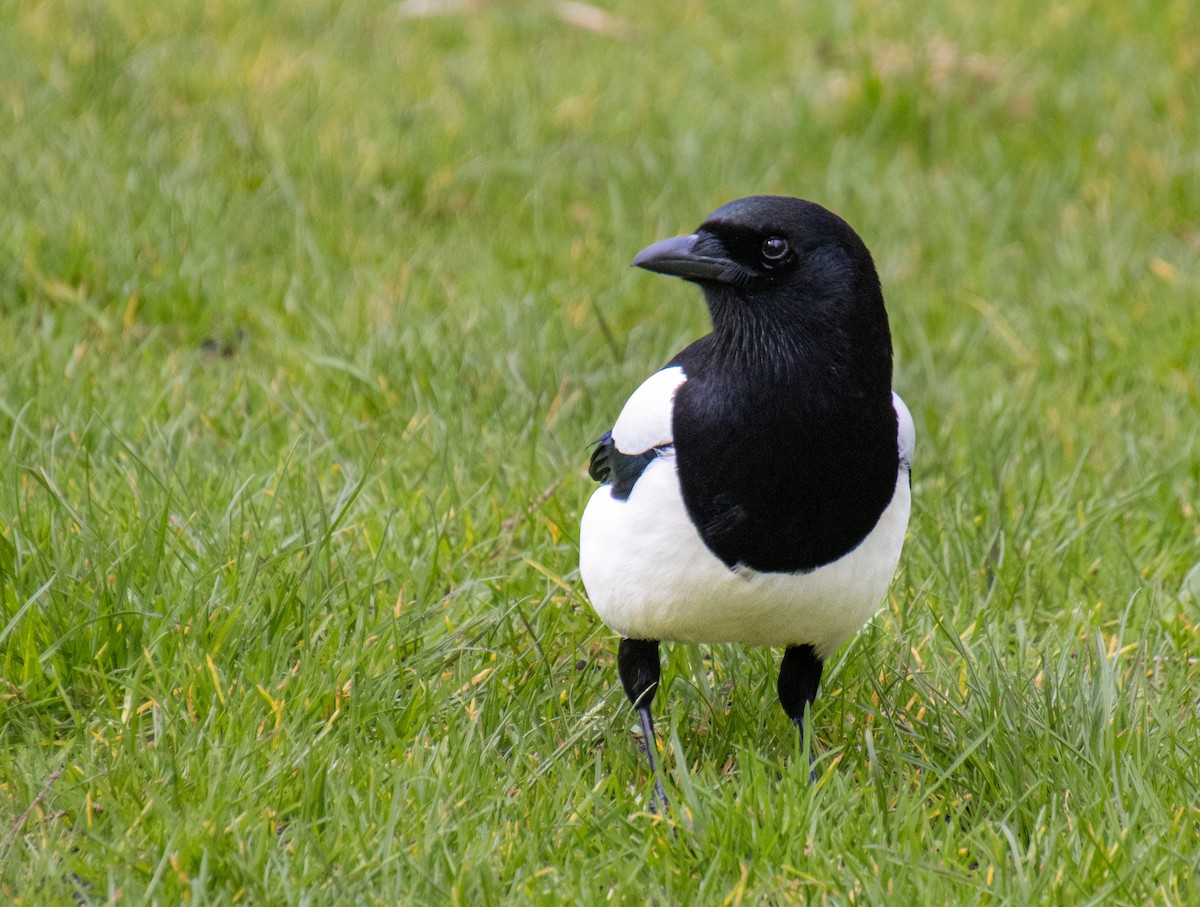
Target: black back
(785, 433)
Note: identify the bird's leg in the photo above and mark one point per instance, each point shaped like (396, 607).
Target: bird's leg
(799, 676)
(638, 665)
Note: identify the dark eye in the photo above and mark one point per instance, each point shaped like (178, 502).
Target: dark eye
(775, 249)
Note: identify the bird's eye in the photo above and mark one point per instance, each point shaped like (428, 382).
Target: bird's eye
(775, 249)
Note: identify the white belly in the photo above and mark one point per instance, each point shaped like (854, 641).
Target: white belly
(650, 576)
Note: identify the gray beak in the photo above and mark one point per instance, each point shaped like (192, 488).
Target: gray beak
(679, 257)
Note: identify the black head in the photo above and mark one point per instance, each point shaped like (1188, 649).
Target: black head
(773, 260)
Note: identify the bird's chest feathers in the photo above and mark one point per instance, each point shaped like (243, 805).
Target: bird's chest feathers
(777, 475)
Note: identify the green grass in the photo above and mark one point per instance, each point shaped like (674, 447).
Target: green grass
(307, 313)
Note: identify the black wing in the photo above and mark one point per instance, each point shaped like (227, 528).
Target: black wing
(610, 466)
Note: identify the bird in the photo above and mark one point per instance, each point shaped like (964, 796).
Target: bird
(757, 488)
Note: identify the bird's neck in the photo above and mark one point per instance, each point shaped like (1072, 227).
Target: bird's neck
(825, 352)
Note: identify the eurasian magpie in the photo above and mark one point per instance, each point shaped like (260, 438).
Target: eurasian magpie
(757, 488)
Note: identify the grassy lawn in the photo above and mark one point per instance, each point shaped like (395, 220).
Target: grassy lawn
(308, 312)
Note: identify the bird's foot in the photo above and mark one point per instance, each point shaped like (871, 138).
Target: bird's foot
(659, 805)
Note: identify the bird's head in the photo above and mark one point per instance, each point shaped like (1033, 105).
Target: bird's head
(774, 260)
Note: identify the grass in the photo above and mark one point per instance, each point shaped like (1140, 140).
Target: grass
(307, 313)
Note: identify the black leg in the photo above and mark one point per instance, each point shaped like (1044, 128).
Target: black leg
(799, 677)
(638, 665)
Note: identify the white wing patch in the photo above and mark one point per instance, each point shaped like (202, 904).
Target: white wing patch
(906, 431)
(645, 420)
